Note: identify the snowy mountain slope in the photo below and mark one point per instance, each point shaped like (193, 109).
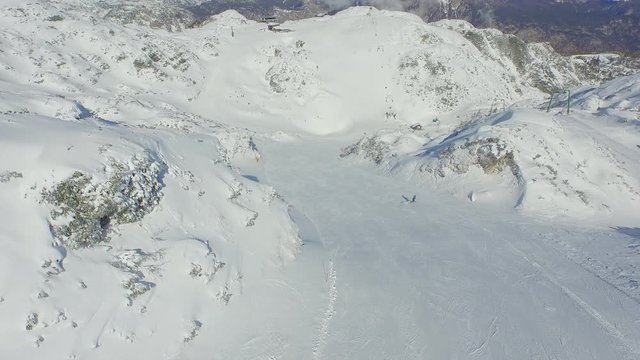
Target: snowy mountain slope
(443, 278)
(288, 78)
(213, 237)
(538, 63)
(570, 26)
(411, 69)
(576, 166)
(179, 195)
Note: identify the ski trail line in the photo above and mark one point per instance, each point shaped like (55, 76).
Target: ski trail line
(328, 314)
(595, 314)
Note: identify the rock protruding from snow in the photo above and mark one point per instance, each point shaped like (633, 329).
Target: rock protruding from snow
(150, 224)
(576, 166)
(156, 15)
(91, 209)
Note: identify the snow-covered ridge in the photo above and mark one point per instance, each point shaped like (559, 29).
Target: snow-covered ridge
(308, 77)
(576, 166)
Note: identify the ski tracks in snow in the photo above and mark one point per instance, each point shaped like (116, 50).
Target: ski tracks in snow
(329, 312)
(605, 324)
(491, 332)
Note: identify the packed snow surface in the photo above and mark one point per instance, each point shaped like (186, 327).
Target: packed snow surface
(360, 186)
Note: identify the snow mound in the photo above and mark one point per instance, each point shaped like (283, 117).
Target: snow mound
(229, 18)
(140, 230)
(619, 98)
(576, 166)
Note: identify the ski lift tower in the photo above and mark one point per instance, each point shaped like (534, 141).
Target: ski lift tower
(565, 91)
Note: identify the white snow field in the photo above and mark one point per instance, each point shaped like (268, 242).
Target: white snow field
(357, 186)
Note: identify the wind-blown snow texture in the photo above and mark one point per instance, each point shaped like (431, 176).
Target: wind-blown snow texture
(229, 192)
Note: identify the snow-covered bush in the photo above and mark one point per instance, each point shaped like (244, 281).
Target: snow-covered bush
(290, 70)
(286, 76)
(135, 286)
(85, 209)
(371, 148)
(6, 176)
(428, 76)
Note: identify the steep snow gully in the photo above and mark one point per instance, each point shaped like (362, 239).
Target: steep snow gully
(437, 279)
